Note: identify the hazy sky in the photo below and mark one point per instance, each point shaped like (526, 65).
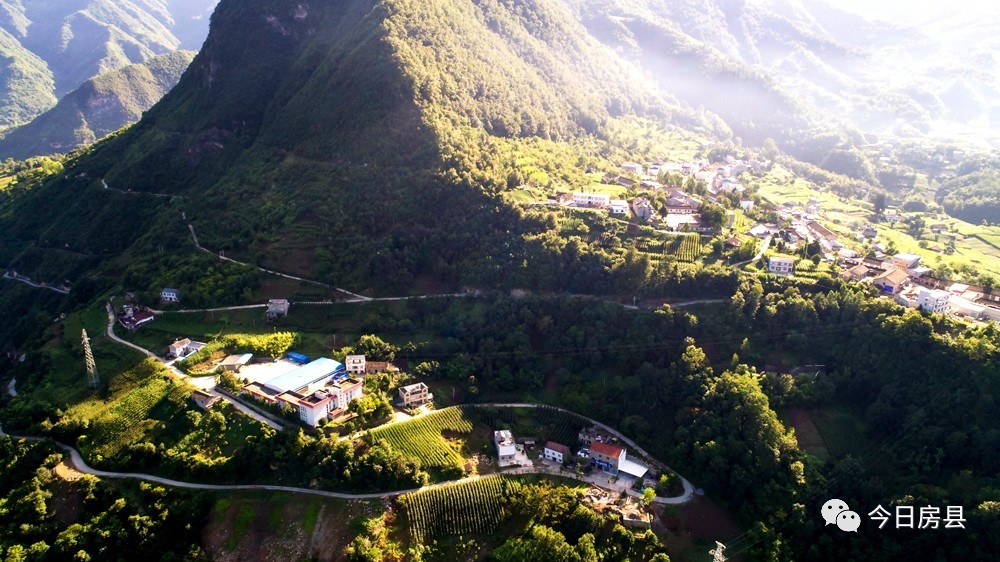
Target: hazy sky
(913, 10)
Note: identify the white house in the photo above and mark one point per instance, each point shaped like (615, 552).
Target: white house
(935, 300)
(170, 295)
(355, 364)
(619, 207)
(556, 452)
(746, 204)
(277, 308)
(506, 448)
(591, 199)
(781, 265)
(414, 394)
(179, 347)
(906, 261)
(633, 168)
(319, 404)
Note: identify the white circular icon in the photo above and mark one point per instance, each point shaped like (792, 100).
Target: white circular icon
(832, 509)
(848, 521)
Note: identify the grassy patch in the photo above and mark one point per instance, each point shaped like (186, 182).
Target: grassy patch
(244, 518)
(842, 431)
(808, 435)
(311, 517)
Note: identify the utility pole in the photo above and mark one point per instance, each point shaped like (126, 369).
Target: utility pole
(88, 358)
(718, 553)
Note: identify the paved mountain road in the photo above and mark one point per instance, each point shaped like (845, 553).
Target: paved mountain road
(80, 465)
(178, 374)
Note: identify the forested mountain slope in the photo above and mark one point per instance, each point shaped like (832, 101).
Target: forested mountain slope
(52, 46)
(99, 107)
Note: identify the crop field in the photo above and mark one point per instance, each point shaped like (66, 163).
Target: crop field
(469, 508)
(126, 416)
(685, 248)
(421, 438)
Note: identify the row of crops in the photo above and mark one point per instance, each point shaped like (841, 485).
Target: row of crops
(138, 406)
(685, 247)
(421, 438)
(468, 508)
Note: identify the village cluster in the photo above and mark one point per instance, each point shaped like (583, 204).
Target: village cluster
(681, 210)
(901, 276)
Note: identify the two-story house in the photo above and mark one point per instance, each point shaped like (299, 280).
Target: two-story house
(414, 395)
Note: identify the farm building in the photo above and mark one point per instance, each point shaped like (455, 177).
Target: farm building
(316, 389)
(235, 362)
(414, 395)
(506, 448)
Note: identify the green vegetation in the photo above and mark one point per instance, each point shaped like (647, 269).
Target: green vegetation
(97, 108)
(971, 258)
(974, 198)
(503, 519)
(686, 248)
(442, 440)
(468, 508)
(110, 35)
(421, 438)
(272, 345)
(27, 87)
(43, 517)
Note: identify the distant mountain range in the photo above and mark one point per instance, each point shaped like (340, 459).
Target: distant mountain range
(99, 107)
(51, 47)
(769, 64)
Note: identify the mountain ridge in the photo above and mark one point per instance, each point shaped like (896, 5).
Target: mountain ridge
(99, 107)
(59, 45)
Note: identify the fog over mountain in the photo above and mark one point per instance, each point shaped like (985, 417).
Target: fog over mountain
(932, 72)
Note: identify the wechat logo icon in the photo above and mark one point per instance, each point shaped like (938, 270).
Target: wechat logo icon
(836, 512)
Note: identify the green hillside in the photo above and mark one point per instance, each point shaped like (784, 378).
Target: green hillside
(97, 108)
(26, 85)
(383, 140)
(51, 47)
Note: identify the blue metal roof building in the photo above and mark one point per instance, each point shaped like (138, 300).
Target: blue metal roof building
(306, 375)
